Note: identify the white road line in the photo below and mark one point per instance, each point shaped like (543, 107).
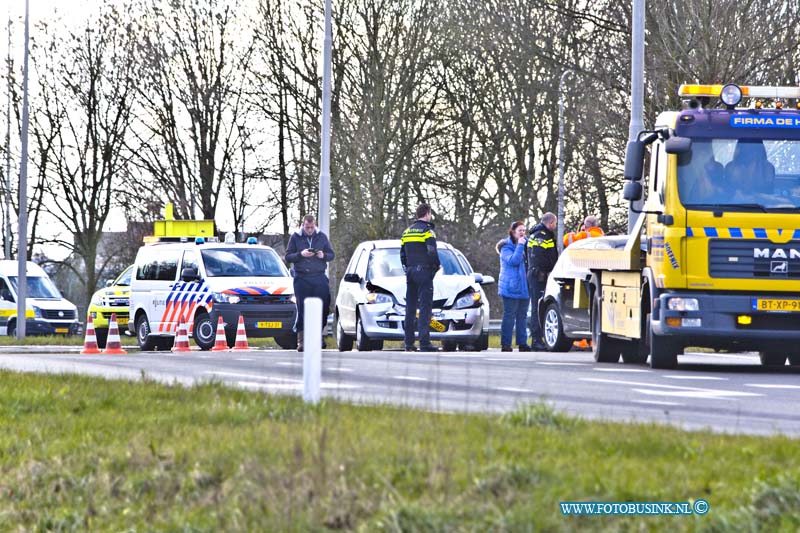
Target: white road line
(514, 389)
(622, 369)
(771, 386)
(410, 378)
(680, 390)
(726, 355)
(468, 355)
(244, 359)
(288, 363)
(560, 363)
(714, 378)
(251, 376)
(656, 402)
(704, 394)
(291, 386)
(338, 369)
(505, 359)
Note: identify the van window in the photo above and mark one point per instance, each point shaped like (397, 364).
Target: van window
(38, 287)
(157, 267)
(5, 292)
(190, 261)
(238, 262)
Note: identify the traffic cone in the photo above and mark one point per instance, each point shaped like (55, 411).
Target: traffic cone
(241, 337)
(182, 339)
(113, 344)
(90, 342)
(220, 343)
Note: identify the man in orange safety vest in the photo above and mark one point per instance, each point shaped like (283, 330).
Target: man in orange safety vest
(589, 229)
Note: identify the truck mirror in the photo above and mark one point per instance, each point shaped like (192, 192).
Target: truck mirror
(634, 160)
(677, 145)
(632, 191)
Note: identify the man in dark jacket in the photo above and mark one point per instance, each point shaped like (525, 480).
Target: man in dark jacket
(310, 251)
(542, 257)
(420, 261)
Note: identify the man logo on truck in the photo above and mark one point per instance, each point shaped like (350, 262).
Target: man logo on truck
(777, 253)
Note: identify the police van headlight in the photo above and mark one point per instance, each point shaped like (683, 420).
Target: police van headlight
(470, 299)
(223, 298)
(683, 304)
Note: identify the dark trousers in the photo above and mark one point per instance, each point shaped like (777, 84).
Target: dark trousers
(314, 286)
(419, 294)
(536, 290)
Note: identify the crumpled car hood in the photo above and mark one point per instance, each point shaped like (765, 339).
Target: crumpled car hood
(444, 287)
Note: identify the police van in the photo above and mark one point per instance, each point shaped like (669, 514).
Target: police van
(47, 312)
(199, 279)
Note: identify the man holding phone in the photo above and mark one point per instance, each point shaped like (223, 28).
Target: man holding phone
(310, 252)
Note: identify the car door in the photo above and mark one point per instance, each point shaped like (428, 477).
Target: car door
(349, 292)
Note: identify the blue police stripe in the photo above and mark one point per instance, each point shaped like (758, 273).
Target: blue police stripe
(796, 234)
(689, 232)
(711, 232)
(761, 233)
(736, 233)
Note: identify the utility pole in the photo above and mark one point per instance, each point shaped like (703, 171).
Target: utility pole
(7, 217)
(561, 162)
(325, 159)
(637, 89)
(22, 239)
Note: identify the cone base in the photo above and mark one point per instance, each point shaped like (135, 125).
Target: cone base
(114, 351)
(91, 351)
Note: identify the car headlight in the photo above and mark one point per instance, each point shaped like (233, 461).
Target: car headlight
(223, 298)
(379, 298)
(470, 299)
(37, 312)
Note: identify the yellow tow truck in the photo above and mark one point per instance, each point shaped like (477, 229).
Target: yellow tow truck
(714, 258)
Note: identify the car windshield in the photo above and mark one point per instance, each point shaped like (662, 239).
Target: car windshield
(238, 262)
(38, 287)
(385, 262)
(124, 279)
(740, 175)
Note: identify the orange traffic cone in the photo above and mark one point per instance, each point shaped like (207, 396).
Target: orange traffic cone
(182, 339)
(241, 337)
(220, 343)
(90, 342)
(113, 344)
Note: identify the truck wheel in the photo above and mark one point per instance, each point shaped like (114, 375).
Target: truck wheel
(204, 332)
(772, 357)
(102, 337)
(343, 341)
(794, 359)
(553, 331)
(663, 350)
(146, 342)
(605, 349)
(634, 353)
(363, 344)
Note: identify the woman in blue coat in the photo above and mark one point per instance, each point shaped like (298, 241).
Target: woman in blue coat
(513, 287)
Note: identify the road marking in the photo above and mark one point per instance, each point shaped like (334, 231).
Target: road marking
(505, 359)
(250, 376)
(290, 386)
(685, 391)
(469, 355)
(514, 389)
(771, 386)
(338, 369)
(656, 402)
(410, 378)
(288, 363)
(560, 363)
(696, 377)
(702, 394)
(244, 359)
(600, 369)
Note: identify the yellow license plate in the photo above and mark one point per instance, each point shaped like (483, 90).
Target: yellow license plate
(269, 325)
(62, 330)
(122, 321)
(774, 304)
(436, 325)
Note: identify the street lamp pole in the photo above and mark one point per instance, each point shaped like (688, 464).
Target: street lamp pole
(7, 212)
(637, 90)
(325, 159)
(22, 240)
(561, 162)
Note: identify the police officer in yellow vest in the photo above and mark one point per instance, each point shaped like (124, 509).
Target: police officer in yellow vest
(542, 256)
(420, 261)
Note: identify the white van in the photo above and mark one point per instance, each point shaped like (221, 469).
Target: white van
(47, 312)
(201, 281)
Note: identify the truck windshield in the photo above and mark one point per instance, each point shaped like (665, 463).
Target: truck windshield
(240, 262)
(740, 174)
(386, 262)
(38, 287)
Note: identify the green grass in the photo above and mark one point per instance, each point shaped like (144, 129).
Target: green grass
(81, 453)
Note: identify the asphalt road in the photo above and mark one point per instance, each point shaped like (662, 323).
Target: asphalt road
(724, 392)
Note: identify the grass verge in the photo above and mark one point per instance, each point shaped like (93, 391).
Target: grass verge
(81, 453)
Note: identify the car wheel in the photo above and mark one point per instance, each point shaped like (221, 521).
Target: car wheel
(102, 337)
(553, 330)
(363, 343)
(12, 329)
(449, 346)
(204, 332)
(605, 349)
(146, 342)
(287, 342)
(772, 357)
(343, 341)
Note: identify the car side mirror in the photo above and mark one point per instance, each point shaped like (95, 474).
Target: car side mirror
(352, 278)
(483, 280)
(189, 274)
